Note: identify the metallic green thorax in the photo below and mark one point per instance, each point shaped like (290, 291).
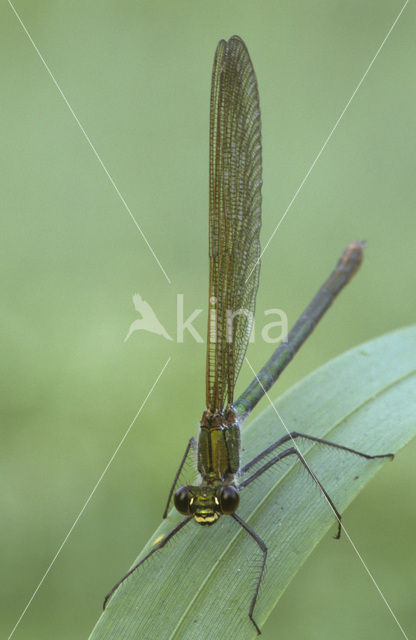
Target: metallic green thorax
(219, 446)
(218, 463)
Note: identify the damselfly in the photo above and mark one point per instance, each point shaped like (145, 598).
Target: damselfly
(235, 181)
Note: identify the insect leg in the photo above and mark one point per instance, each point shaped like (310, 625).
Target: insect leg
(281, 456)
(160, 545)
(191, 443)
(263, 548)
(296, 434)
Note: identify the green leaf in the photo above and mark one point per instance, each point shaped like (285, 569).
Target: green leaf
(201, 584)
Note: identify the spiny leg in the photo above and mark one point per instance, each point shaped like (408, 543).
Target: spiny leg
(281, 456)
(296, 434)
(263, 548)
(191, 443)
(160, 545)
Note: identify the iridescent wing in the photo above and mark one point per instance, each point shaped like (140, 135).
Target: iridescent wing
(234, 216)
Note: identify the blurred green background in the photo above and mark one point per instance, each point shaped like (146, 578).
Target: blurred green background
(137, 73)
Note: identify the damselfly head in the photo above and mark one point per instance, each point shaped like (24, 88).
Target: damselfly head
(207, 503)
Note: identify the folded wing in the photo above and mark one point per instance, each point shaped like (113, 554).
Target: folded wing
(234, 216)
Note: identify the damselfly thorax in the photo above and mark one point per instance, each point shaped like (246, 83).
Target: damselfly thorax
(218, 463)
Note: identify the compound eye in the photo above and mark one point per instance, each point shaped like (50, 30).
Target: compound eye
(182, 500)
(229, 499)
